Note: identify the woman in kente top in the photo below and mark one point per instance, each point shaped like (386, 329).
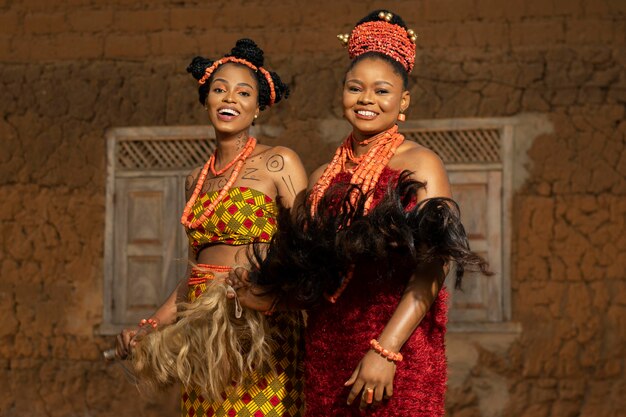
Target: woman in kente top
(231, 362)
(369, 253)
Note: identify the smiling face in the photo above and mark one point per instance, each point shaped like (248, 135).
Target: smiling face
(373, 96)
(232, 102)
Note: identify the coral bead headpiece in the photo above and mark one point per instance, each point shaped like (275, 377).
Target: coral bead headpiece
(384, 37)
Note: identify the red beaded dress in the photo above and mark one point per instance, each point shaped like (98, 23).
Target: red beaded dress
(338, 335)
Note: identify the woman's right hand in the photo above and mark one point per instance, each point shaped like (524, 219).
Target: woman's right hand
(125, 343)
(238, 278)
(245, 292)
(239, 285)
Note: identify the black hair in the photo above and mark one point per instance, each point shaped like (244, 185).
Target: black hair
(309, 255)
(398, 68)
(244, 49)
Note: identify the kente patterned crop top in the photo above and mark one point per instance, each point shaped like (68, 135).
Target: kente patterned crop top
(244, 216)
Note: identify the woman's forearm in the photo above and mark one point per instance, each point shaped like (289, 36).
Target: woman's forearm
(421, 291)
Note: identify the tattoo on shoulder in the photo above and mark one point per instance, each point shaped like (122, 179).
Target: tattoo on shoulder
(275, 163)
(289, 185)
(247, 174)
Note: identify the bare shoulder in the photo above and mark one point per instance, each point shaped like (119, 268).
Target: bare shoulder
(192, 177)
(285, 152)
(190, 181)
(417, 158)
(278, 158)
(285, 167)
(316, 175)
(426, 167)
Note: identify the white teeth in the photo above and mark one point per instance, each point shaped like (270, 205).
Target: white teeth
(229, 112)
(366, 113)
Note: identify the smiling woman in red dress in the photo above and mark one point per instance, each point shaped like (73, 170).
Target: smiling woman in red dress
(369, 253)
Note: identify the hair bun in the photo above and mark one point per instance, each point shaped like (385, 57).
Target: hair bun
(197, 67)
(247, 49)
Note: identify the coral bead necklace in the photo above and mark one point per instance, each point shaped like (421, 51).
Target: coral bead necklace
(187, 218)
(368, 166)
(365, 174)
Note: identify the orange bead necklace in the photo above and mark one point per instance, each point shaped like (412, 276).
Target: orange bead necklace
(365, 174)
(368, 167)
(188, 215)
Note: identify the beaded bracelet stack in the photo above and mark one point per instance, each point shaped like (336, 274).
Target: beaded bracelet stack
(392, 356)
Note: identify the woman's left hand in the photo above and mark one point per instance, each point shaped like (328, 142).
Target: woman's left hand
(373, 374)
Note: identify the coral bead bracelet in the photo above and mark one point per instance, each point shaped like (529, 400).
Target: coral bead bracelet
(392, 356)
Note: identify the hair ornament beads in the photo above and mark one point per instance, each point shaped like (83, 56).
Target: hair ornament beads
(385, 16)
(384, 37)
(388, 16)
(343, 38)
(266, 74)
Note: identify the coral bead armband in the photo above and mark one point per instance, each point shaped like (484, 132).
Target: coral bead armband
(392, 356)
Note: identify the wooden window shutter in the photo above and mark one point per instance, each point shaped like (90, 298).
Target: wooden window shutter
(145, 244)
(477, 155)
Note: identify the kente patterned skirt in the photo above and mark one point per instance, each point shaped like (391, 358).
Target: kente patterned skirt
(273, 394)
